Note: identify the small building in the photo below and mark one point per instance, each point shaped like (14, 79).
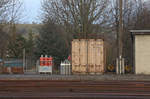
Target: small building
(141, 51)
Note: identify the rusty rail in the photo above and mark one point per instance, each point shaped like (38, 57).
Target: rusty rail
(74, 89)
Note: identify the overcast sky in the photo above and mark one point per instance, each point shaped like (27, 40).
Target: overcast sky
(31, 10)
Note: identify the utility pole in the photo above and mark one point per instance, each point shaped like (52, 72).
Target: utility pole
(120, 34)
(120, 60)
(24, 60)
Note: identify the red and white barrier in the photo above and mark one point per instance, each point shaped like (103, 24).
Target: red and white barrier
(46, 64)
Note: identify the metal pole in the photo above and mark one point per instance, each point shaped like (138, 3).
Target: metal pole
(123, 69)
(120, 31)
(24, 55)
(117, 66)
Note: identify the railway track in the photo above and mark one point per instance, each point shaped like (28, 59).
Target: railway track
(73, 89)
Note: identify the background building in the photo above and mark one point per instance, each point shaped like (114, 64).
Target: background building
(141, 40)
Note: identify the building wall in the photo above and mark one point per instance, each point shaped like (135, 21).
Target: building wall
(142, 54)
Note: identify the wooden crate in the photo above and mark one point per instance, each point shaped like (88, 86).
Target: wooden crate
(88, 56)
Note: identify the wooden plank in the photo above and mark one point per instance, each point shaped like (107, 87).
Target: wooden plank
(99, 56)
(83, 55)
(91, 56)
(75, 55)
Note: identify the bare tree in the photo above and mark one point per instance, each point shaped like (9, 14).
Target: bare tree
(4, 4)
(4, 10)
(15, 12)
(10, 11)
(131, 9)
(142, 17)
(77, 15)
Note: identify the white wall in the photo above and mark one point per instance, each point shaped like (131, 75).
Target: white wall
(142, 54)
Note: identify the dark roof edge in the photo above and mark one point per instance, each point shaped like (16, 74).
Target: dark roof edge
(140, 32)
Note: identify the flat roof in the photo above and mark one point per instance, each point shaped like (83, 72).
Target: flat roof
(140, 32)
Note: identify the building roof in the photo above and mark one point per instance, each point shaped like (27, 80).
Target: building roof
(140, 32)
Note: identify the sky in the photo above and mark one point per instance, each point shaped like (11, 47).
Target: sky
(31, 10)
